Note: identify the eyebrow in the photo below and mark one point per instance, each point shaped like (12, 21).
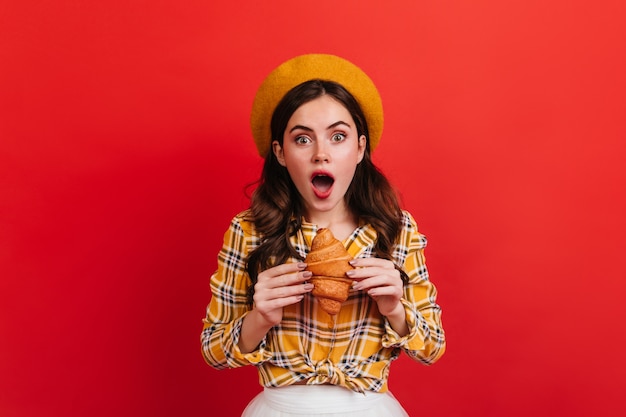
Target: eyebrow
(308, 129)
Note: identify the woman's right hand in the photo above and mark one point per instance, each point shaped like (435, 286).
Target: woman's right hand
(278, 287)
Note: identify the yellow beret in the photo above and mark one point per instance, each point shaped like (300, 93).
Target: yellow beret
(304, 68)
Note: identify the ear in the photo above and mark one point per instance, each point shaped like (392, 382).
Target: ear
(278, 151)
(362, 143)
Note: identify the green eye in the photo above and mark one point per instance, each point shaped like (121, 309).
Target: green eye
(302, 139)
(338, 137)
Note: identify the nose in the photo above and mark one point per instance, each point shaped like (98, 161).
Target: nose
(321, 152)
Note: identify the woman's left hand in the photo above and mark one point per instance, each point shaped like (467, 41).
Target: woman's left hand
(382, 281)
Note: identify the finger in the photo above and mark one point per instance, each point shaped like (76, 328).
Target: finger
(372, 262)
(291, 291)
(285, 269)
(268, 295)
(384, 291)
(366, 272)
(288, 280)
(276, 303)
(381, 280)
(368, 283)
(281, 270)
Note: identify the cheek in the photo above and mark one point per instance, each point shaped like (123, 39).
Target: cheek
(347, 173)
(351, 159)
(296, 171)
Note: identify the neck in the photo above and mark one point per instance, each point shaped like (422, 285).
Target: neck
(341, 222)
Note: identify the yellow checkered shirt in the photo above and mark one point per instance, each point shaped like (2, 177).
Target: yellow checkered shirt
(353, 349)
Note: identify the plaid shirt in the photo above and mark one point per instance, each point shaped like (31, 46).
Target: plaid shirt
(353, 349)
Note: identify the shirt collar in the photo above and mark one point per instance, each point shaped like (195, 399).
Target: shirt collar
(362, 238)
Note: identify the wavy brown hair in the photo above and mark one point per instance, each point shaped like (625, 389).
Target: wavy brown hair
(276, 208)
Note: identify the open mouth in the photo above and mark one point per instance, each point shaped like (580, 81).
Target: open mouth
(322, 182)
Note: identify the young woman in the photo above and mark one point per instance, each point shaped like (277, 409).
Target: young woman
(316, 119)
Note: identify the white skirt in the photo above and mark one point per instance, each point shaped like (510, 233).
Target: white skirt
(324, 400)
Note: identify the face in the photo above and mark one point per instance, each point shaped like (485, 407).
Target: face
(321, 149)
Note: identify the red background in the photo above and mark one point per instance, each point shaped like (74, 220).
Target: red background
(125, 149)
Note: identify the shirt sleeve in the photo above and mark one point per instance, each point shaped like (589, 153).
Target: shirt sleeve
(425, 341)
(228, 305)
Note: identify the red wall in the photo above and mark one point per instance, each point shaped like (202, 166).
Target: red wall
(125, 148)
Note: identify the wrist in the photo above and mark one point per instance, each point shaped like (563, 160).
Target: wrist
(397, 313)
(260, 321)
(397, 320)
(253, 330)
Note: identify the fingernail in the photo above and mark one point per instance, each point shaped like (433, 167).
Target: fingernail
(350, 273)
(301, 265)
(307, 274)
(352, 262)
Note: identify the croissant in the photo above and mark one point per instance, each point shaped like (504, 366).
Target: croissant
(328, 261)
